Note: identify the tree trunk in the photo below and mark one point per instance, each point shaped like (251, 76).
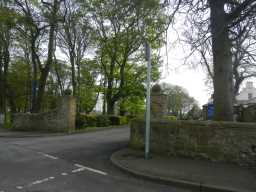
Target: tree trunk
(6, 70)
(46, 69)
(34, 75)
(1, 86)
(73, 72)
(110, 107)
(222, 60)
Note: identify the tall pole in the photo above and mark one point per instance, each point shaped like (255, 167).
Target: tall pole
(147, 131)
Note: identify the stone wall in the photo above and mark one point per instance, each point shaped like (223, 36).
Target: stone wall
(1, 120)
(158, 102)
(216, 141)
(249, 114)
(62, 119)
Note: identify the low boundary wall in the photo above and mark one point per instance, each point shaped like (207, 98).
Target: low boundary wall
(216, 141)
(61, 119)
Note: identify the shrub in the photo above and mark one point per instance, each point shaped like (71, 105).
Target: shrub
(102, 121)
(79, 121)
(83, 120)
(68, 92)
(123, 120)
(118, 120)
(170, 118)
(114, 120)
(90, 120)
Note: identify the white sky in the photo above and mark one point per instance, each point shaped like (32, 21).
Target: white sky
(175, 72)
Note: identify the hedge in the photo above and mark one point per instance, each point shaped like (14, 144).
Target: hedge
(83, 121)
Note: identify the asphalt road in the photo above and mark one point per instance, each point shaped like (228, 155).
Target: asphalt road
(72, 163)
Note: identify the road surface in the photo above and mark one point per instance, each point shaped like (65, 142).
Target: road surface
(72, 163)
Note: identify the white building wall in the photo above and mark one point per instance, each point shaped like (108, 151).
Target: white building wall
(99, 105)
(247, 92)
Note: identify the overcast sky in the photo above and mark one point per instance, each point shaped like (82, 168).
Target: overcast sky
(192, 78)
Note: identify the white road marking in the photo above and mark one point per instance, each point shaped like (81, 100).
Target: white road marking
(63, 174)
(78, 165)
(49, 156)
(1, 191)
(82, 168)
(19, 187)
(41, 181)
(77, 170)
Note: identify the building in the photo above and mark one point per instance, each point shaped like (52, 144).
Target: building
(246, 98)
(247, 95)
(99, 104)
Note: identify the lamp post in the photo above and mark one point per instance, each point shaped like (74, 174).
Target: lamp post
(147, 131)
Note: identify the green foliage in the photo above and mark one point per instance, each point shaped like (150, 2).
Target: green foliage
(179, 101)
(134, 106)
(89, 90)
(68, 92)
(122, 27)
(123, 120)
(118, 120)
(170, 118)
(102, 121)
(83, 121)
(194, 114)
(19, 86)
(8, 121)
(8, 17)
(117, 32)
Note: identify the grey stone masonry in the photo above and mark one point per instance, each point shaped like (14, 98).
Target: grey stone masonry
(216, 141)
(62, 119)
(158, 102)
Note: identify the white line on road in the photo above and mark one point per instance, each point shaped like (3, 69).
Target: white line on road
(82, 168)
(49, 156)
(41, 181)
(64, 174)
(77, 170)
(19, 187)
(78, 165)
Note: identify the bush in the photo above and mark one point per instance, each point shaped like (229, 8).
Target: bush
(83, 120)
(123, 120)
(118, 120)
(79, 121)
(90, 120)
(114, 120)
(102, 121)
(68, 92)
(170, 118)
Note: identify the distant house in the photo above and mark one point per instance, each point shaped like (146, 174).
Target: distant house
(99, 104)
(247, 95)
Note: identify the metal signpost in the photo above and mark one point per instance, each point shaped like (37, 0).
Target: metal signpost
(147, 131)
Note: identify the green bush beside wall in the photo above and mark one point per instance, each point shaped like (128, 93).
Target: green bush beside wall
(83, 121)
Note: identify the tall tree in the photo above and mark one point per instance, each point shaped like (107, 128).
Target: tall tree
(119, 30)
(38, 18)
(179, 101)
(73, 38)
(219, 18)
(8, 18)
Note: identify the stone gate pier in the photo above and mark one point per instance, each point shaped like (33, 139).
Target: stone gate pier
(61, 119)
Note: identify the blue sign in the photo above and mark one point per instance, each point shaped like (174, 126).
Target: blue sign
(210, 111)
